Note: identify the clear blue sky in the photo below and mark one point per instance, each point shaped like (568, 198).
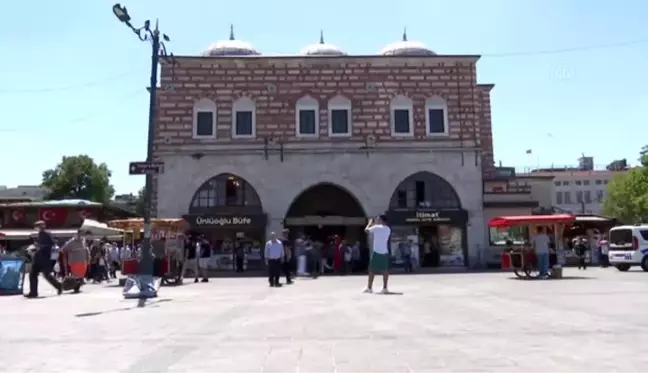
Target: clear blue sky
(73, 78)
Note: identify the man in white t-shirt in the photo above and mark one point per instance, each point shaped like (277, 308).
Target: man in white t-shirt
(379, 251)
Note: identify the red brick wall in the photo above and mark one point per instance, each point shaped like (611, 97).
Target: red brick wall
(486, 130)
(225, 79)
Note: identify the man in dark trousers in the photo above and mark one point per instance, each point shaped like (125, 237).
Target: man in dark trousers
(274, 255)
(41, 262)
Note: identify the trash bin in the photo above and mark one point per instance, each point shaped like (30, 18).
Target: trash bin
(557, 271)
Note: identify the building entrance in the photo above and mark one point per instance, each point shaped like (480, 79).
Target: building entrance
(325, 212)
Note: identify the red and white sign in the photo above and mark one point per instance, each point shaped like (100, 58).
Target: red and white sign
(53, 215)
(18, 215)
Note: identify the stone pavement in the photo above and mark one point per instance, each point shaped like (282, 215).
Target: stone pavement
(447, 322)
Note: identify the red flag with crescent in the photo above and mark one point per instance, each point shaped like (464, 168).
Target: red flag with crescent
(18, 215)
(85, 214)
(53, 215)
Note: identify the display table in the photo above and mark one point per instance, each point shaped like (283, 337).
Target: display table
(12, 275)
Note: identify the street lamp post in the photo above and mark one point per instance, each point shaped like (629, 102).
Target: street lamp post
(145, 281)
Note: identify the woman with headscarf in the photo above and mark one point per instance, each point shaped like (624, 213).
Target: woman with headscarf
(338, 255)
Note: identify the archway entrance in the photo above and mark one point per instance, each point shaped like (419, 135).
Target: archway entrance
(326, 210)
(426, 216)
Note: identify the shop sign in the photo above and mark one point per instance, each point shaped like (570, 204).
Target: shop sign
(396, 217)
(225, 221)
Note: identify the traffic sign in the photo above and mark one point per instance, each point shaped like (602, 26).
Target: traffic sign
(146, 168)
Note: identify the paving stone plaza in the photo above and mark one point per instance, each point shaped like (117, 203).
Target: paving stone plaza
(467, 322)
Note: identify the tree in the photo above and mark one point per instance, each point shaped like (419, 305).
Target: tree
(643, 155)
(79, 177)
(139, 202)
(627, 194)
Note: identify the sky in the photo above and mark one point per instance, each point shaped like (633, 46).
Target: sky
(569, 75)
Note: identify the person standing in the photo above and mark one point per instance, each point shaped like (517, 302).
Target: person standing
(604, 244)
(239, 257)
(205, 250)
(581, 249)
(274, 254)
(42, 262)
(379, 251)
(540, 242)
(286, 264)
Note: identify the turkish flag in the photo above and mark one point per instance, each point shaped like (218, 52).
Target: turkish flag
(53, 215)
(18, 215)
(85, 214)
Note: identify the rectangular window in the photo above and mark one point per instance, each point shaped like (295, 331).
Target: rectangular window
(420, 192)
(557, 183)
(244, 123)
(307, 122)
(585, 182)
(340, 122)
(599, 182)
(578, 182)
(559, 198)
(567, 198)
(401, 196)
(401, 121)
(588, 197)
(565, 182)
(437, 121)
(599, 196)
(205, 123)
(579, 196)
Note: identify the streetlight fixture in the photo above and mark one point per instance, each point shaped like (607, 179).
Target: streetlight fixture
(144, 281)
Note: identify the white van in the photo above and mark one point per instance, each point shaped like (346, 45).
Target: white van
(629, 246)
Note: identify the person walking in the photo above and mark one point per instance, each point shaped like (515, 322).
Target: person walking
(540, 242)
(581, 249)
(76, 257)
(274, 255)
(379, 252)
(604, 244)
(286, 265)
(42, 262)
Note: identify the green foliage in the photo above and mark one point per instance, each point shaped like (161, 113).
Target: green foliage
(627, 196)
(79, 177)
(139, 203)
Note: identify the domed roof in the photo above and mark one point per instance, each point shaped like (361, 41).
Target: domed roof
(231, 47)
(406, 48)
(322, 49)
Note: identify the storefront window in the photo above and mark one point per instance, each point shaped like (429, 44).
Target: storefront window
(517, 235)
(451, 245)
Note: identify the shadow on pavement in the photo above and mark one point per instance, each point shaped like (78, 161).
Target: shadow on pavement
(553, 279)
(141, 303)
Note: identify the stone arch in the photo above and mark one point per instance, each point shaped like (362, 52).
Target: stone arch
(326, 198)
(425, 189)
(225, 192)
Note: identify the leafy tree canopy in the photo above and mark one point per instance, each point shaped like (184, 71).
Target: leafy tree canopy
(79, 177)
(627, 194)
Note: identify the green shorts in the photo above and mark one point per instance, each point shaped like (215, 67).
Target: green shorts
(379, 262)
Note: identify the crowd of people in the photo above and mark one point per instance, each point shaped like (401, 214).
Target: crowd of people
(81, 258)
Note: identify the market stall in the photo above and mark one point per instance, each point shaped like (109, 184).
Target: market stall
(167, 241)
(520, 257)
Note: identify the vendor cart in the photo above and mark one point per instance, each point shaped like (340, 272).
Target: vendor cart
(167, 232)
(521, 258)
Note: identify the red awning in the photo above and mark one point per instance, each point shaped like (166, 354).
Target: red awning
(509, 221)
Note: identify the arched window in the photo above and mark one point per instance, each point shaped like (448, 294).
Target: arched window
(402, 116)
(436, 116)
(339, 117)
(225, 190)
(204, 119)
(425, 190)
(307, 117)
(244, 118)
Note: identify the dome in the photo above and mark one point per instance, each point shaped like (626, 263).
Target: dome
(231, 47)
(322, 49)
(406, 48)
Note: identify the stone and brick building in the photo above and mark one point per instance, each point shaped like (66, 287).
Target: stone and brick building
(319, 141)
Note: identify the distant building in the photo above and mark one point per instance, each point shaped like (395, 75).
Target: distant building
(21, 193)
(582, 189)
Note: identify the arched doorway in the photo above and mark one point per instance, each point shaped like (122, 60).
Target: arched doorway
(425, 213)
(325, 210)
(227, 212)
